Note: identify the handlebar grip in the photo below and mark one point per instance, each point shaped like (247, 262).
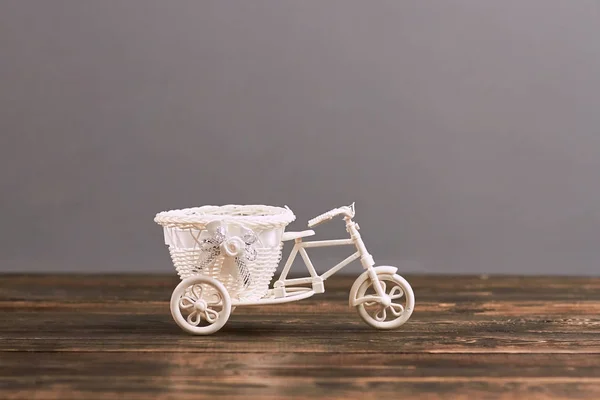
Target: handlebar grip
(323, 217)
(347, 210)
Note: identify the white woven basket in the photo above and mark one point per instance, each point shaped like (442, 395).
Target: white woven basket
(190, 235)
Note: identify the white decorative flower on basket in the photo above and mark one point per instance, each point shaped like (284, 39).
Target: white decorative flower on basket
(234, 242)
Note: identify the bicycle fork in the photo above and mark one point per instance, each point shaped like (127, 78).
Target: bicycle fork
(366, 260)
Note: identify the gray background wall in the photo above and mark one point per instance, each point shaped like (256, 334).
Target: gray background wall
(468, 132)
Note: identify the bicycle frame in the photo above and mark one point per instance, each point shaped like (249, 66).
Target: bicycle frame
(317, 280)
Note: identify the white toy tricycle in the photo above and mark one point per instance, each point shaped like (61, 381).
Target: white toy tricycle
(226, 257)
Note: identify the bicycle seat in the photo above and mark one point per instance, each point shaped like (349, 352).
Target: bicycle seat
(296, 235)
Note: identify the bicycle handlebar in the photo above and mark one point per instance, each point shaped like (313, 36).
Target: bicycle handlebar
(346, 210)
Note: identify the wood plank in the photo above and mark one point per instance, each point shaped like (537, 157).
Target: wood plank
(443, 289)
(139, 326)
(430, 388)
(73, 337)
(292, 375)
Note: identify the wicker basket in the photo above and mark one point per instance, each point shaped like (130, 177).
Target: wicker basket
(239, 245)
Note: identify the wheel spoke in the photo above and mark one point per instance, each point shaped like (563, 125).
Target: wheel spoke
(194, 318)
(211, 315)
(197, 291)
(396, 292)
(381, 314)
(397, 309)
(217, 299)
(368, 300)
(186, 302)
(383, 286)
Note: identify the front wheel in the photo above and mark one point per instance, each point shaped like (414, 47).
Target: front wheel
(200, 305)
(378, 312)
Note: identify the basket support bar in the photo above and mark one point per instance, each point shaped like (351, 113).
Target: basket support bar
(297, 281)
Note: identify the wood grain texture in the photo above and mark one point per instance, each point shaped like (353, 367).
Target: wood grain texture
(88, 337)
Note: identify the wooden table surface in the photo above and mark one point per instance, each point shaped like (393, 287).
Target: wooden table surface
(86, 337)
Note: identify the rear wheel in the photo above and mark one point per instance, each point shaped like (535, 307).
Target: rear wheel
(200, 305)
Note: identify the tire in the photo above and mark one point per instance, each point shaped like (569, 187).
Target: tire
(376, 314)
(206, 303)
